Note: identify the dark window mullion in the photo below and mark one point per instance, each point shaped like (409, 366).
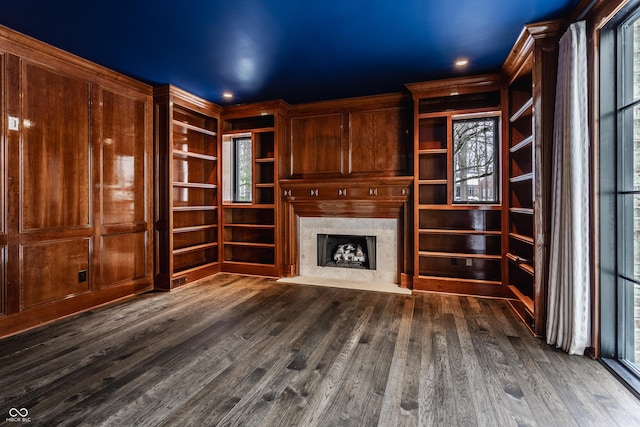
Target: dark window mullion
(625, 145)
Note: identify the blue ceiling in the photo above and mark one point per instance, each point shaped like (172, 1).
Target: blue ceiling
(299, 51)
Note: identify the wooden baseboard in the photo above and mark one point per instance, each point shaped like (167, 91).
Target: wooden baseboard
(406, 281)
(12, 324)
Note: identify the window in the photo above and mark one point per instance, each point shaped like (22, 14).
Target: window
(237, 168)
(620, 193)
(475, 159)
(242, 176)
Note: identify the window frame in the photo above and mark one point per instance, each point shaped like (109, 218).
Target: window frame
(616, 121)
(496, 117)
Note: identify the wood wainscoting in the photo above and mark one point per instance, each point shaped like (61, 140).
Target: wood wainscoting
(75, 213)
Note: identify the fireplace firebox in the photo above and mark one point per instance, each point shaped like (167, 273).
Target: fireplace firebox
(347, 251)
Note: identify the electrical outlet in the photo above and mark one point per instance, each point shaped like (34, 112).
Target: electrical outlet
(469, 262)
(82, 276)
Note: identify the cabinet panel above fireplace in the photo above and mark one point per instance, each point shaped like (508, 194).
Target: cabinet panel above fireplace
(356, 137)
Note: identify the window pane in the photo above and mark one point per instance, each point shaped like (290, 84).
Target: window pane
(243, 175)
(630, 230)
(632, 348)
(636, 59)
(474, 161)
(636, 147)
(636, 237)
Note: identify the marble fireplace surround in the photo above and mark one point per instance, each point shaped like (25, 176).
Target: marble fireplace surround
(385, 278)
(369, 207)
(385, 230)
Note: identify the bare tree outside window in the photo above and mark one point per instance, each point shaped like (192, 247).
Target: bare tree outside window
(475, 158)
(242, 178)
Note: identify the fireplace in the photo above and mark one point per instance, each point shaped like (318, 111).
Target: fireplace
(371, 206)
(347, 251)
(383, 253)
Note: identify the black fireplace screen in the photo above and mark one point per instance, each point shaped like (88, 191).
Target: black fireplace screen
(347, 251)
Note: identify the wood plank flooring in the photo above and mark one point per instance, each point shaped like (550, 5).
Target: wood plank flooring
(244, 351)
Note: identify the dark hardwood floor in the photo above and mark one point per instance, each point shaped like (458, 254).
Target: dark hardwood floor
(249, 351)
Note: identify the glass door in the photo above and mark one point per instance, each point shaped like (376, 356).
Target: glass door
(628, 191)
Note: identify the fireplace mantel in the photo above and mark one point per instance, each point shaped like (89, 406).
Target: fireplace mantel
(352, 197)
(379, 197)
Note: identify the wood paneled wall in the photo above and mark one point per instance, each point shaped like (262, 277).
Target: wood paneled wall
(351, 158)
(351, 137)
(75, 228)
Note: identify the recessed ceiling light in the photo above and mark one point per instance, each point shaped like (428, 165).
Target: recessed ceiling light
(461, 62)
(227, 95)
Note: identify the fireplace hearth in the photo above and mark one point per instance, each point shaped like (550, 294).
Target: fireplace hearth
(347, 251)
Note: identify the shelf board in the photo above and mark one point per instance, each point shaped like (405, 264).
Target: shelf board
(182, 153)
(258, 226)
(194, 208)
(524, 211)
(522, 144)
(194, 128)
(186, 270)
(522, 238)
(265, 160)
(458, 255)
(459, 207)
(194, 228)
(249, 244)
(522, 263)
(528, 302)
(432, 114)
(522, 178)
(247, 206)
(247, 263)
(526, 107)
(433, 151)
(247, 130)
(194, 185)
(195, 248)
(432, 181)
(458, 279)
(459, 231)
(265, 185)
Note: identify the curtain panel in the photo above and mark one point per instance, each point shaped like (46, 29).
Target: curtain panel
(569, 297)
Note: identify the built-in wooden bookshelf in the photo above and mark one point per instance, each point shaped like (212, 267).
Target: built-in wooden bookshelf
(458, 247)
(520, 159)
(187, 242)
(530, 70)
(250, 229)
(432, 165)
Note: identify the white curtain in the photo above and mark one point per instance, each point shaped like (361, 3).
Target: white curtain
(568, 298)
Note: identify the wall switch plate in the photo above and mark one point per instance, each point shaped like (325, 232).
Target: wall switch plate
(469, 262)
(82, 276)
(13, 123)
